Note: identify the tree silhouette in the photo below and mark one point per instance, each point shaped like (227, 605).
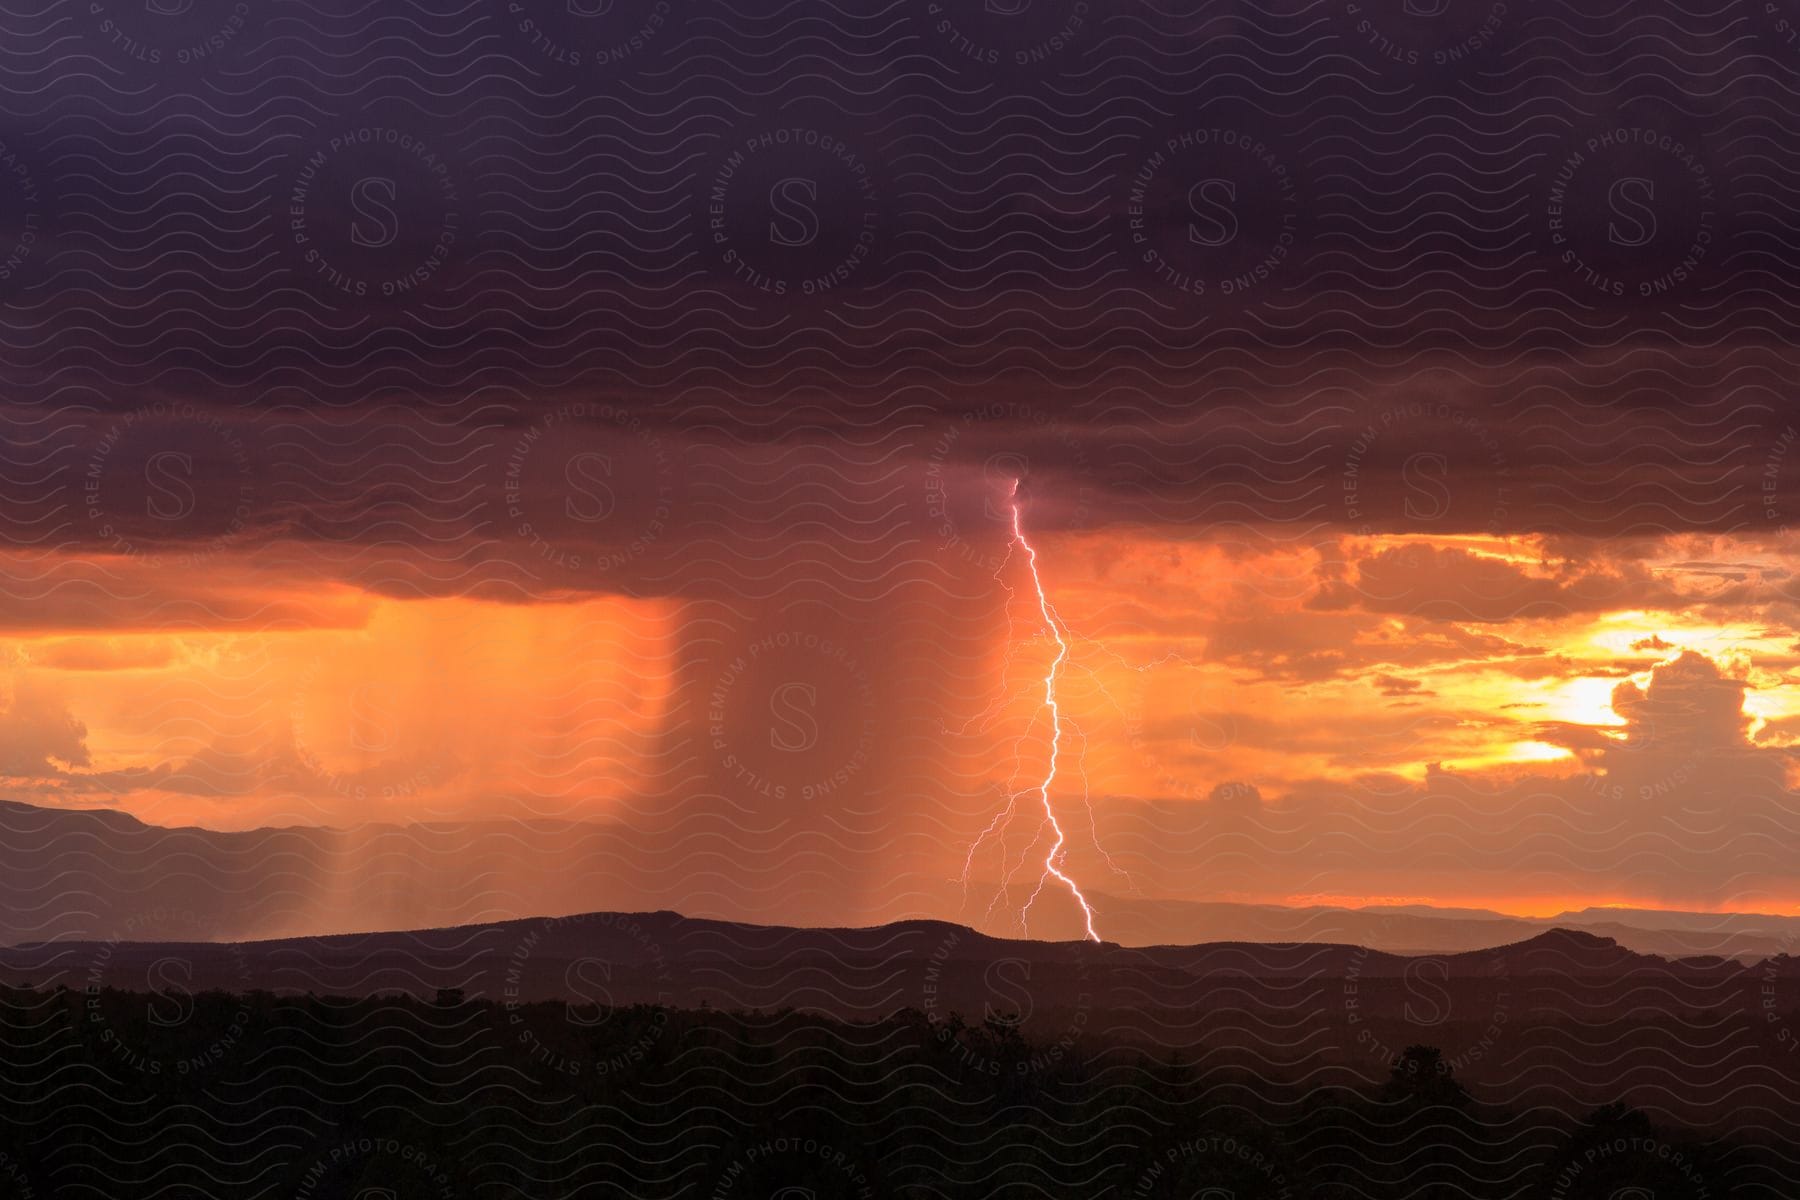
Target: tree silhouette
(1420, 1076)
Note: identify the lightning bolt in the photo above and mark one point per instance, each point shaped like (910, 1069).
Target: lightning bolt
(1054, 858)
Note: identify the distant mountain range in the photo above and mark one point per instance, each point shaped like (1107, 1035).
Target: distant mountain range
(1423, 929)
(100, 874)
(618, 959)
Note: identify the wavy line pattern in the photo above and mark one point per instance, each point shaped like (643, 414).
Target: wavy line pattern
(531, 458)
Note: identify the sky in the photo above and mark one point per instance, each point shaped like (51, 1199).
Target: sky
(1405, 446)
(1336, 670)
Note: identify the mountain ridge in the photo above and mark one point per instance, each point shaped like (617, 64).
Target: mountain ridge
(112, 875)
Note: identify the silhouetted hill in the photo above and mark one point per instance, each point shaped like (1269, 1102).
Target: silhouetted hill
(664, 957)
(1424, 929)
(1541, 1020)
(1546, 1019)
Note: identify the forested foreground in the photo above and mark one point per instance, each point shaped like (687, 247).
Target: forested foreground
(113, 1094)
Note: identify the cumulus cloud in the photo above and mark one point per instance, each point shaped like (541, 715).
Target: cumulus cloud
(1688, 704)
(39, 736)
(1676, 805)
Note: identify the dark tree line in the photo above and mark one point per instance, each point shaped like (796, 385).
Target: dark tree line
(112, 1093)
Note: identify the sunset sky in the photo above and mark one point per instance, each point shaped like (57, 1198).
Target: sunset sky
(1407, 446)
(1382, 650)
